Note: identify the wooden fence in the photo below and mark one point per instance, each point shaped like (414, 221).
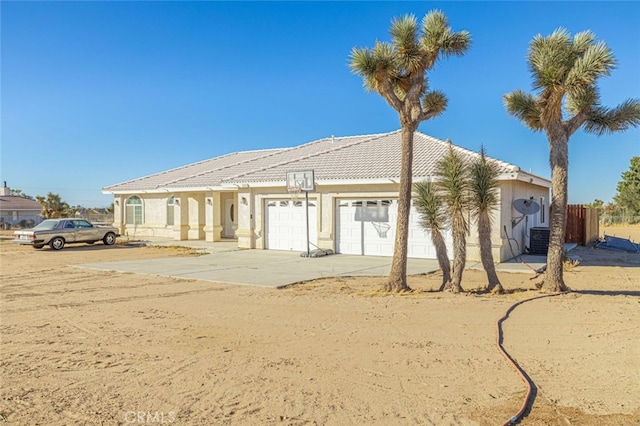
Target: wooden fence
(582, 224)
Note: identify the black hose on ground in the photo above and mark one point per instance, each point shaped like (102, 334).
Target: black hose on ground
(531, 387)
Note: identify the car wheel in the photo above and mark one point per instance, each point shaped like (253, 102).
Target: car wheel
(109, 239)
(38, 246)
(57, 243)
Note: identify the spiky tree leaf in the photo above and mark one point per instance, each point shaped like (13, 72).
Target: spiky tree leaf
(524, 106)
(429, 205)
(610, 120)
(484, 184)
(595, 61)
(434, 219)
(434, 103)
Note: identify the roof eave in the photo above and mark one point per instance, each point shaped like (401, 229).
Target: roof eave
(165, 190)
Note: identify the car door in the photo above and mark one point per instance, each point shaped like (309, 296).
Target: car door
(86, 231)
(69, 231)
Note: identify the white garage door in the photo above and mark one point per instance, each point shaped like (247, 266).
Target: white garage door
(285, 225)
(367, 227)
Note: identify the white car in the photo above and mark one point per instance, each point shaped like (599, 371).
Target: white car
(58, 232)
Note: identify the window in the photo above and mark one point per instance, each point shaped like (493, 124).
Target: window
(170, 210)
(133, 211)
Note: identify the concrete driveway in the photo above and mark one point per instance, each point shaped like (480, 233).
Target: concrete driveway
(225, 263)
(267, 268)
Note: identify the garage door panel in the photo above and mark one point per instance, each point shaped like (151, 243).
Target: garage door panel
(357, 237)
(286, 227)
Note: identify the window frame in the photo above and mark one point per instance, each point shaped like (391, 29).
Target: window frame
(134, 213)
(171, 203)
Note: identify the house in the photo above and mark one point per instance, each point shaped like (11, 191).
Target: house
(17, 211)
(352, 209)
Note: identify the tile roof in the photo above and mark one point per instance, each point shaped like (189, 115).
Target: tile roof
(15, 203)
(365, 157)
(209, 172)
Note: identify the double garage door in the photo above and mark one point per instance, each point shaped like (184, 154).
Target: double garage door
(368, 227)
(363, 227)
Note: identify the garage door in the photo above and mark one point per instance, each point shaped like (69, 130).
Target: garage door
(285, 225)
(367, 227)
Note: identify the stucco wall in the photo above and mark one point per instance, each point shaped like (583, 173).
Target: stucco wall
(200, 215)
(154, 217)
(252, 215)
(519, 234)
(197, 215)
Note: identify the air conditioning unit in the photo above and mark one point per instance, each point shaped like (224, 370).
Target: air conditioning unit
(539, 240)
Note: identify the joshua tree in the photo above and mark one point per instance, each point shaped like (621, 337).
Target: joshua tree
(396, 71)
(565, 72)
(483, 176)
(433, 218)
(453, 181)
(52, 206)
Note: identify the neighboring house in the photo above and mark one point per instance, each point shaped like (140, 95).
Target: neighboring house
(15, 210)
(243, 196)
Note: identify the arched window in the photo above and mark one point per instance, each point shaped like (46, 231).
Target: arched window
(170, 204)
(133, 212)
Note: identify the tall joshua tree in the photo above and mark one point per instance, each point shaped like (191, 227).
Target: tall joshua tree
(483, 179)
(433, 218)
(565, 72)
(453, 182)
(397, 72)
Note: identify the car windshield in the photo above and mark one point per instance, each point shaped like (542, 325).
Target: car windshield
(47, 225)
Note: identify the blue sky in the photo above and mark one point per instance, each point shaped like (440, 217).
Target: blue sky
(96, 93)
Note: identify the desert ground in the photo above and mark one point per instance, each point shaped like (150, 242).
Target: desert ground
(88, 347)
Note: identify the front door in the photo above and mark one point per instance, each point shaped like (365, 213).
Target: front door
(230, 218)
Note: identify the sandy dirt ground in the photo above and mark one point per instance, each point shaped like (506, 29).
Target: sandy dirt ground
(95, 347)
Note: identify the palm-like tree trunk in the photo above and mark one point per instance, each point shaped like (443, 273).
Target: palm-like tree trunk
(398, 277)
(486, 255)
(559, 158)
(443, 259)
(459, 254)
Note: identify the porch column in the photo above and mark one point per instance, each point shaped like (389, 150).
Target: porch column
(213, 222)
(181, 217)
(326, 212)
(245, 234)
(118, 213)
(196, 216)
